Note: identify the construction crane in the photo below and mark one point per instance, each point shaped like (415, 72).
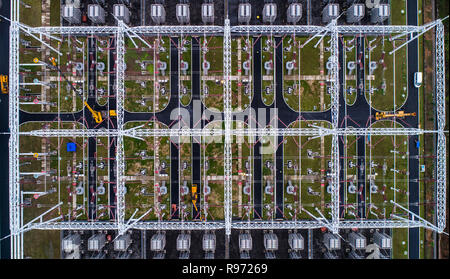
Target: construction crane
(95, 114)
(4, 83)
(194, 195)
(400, 114)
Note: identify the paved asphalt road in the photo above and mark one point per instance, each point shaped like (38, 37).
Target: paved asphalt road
(4, 138)
(411, 105)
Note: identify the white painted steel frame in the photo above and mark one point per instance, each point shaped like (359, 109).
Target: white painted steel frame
(118, 31)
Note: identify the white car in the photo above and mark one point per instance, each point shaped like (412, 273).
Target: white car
(417, 79)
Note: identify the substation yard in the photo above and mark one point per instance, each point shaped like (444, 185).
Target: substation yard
(375, 168)
(307, 80)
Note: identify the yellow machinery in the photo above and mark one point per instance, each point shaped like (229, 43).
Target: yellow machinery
(194, 195)
(95, 114)
(401, 114)
(4, 83)
(53, 60)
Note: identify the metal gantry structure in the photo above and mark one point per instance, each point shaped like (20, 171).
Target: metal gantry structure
(120, 224)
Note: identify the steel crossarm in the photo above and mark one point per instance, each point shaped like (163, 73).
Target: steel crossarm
(173, 132)
(241, 225)
(241, 29)
(277, 29)
(77, 30)
(228, 122)
(70, 133)
(377, 29)
(379, 223)
(274, 225)
(234, 132)
(441, 148)
(14, 174)
(334, 78)
(210, 132)
(180, 225)
(260, 132)
(382, 131)
(142, 225)
(176, 30)
(120, 160)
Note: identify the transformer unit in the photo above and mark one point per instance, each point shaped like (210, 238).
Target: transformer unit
(294, 13)
(380, 14)
(270, 241)
(296, 241)
(96, 13)
(331, 241)
(158, 13)
(71, 242)
(121, 12)
(182, 12)
(209, 242)
(355, 13)
(96, 242)
(357, 240)
(122, 242)
(330, 12)
(382, 240)
(72, 14)
(183, 242)
(244, 13)
(158, 242)
(245, 242)
(269, 12)
(208, 13)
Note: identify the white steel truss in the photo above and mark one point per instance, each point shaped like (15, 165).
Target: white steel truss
(332, 30)
(260, 132)
(239, 225)
(441, 154)
(334, 88)
(228, 122)
(120, 161)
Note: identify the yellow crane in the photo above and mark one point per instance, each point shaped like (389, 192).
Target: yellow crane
(194, 195)
(401, 114)
(95, 114)
(53, 60)
(4, 83)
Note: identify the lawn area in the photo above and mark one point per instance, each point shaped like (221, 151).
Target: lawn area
(31, 12)
(241, 85)
(400, 244)
(350, 175)
(147, 180)
(55, 11)
(398, 12)
(350, 78)
(307, 173)
(387, 162)
(268, 76)
(390, 76)
(40, 244)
